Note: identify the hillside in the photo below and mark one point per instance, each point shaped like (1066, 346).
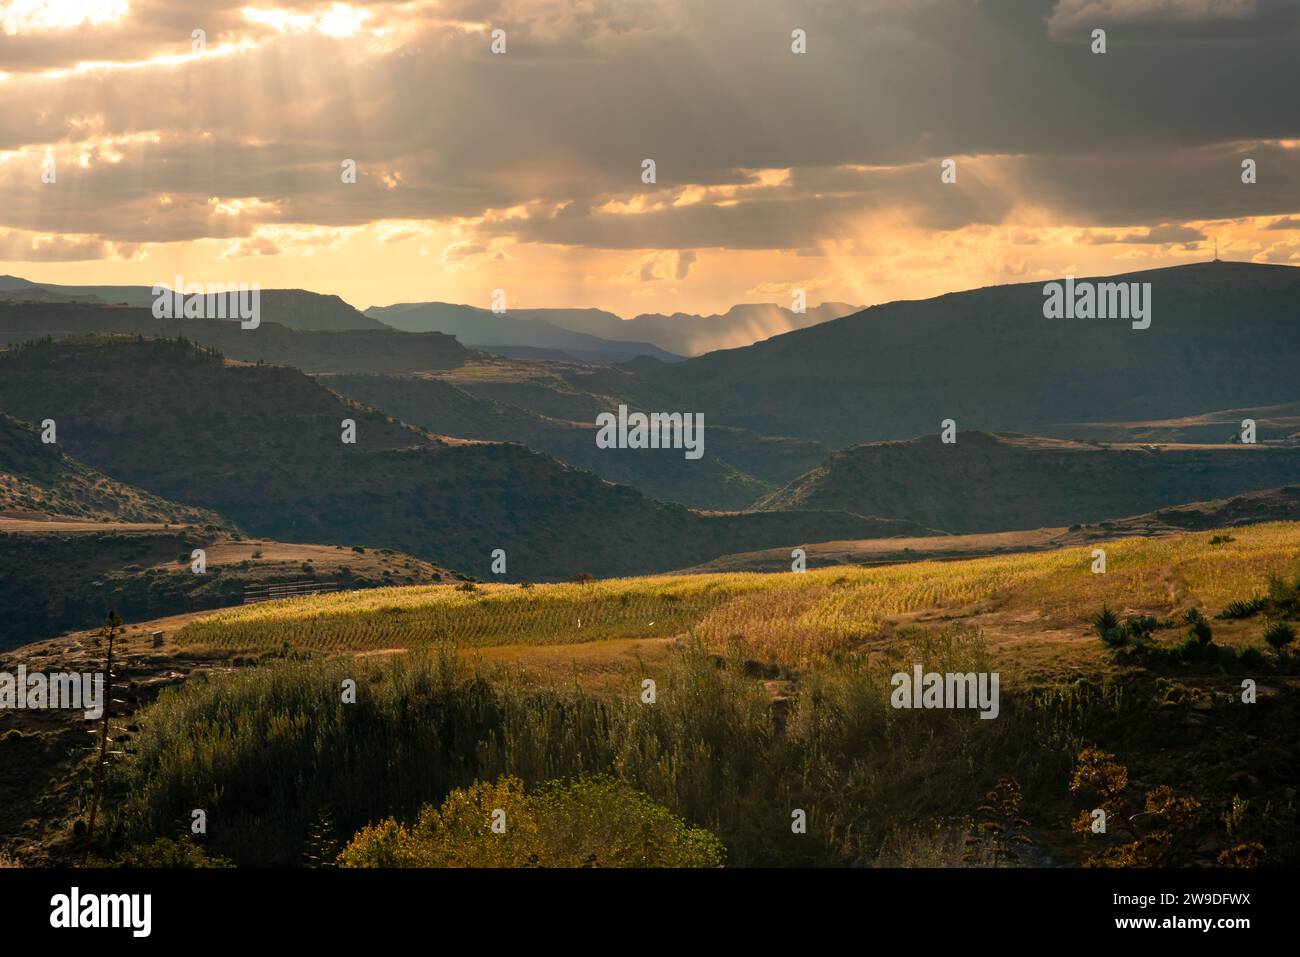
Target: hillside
(38, 481)
(998, 482)
(63, 576)
(262, 445)
(1223, 335)
(1249, 508)
(294, 308)
(738, 467)
(1272, 424)
(485, 329)
(356, 350)
(765, 683)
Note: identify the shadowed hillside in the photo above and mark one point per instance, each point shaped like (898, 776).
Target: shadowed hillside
(262, 444)
(356, 350)
(738, 466)
(1222, 335)
(1272, 423)
(38, 480)
(294, 308)
(64, 576)
(996, 482)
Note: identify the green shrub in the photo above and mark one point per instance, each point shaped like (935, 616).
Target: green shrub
(592, 822)
(1283, 599)
(270, 750)
(1200, 632)
(1242, 609)
(1279, 634)
(1106, 624)
(164, 852)
(1139, 628)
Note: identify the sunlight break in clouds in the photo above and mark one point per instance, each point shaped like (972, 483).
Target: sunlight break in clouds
(521, 170)
(23, 16)
(338, 21)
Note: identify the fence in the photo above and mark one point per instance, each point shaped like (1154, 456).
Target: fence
(256, 593)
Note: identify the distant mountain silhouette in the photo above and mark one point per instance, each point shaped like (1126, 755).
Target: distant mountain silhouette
(688, 334)
(482, 328)
(650, 334)
(295, 308)
(350, 350)
(13, 289)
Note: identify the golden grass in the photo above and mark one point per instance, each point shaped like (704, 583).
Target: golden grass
(783, 617)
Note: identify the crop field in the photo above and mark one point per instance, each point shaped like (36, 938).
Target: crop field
(790, 618)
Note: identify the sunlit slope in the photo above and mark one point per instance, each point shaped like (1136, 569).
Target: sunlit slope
(788, 615)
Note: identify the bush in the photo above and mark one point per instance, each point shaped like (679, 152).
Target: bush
(1279, 634)
(1106, 624)
(1139, 628)
(1167, 833)
(164, 852)
(268, 744)
(1201, 632)
(1283, 599)
(1242, 609)
(592, 822)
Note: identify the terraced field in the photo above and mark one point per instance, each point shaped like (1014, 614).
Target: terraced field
(789, 618)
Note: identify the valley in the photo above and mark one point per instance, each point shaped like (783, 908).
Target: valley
(465, 554)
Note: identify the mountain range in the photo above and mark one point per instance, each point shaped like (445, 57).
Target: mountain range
(264, 446)
(482, 328)
(687, 334)
(581, 335)
(459, 452)
(295, 308)
(348, 350)
(1223, 335)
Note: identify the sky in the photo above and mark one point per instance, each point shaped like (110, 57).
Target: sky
(141, 140)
